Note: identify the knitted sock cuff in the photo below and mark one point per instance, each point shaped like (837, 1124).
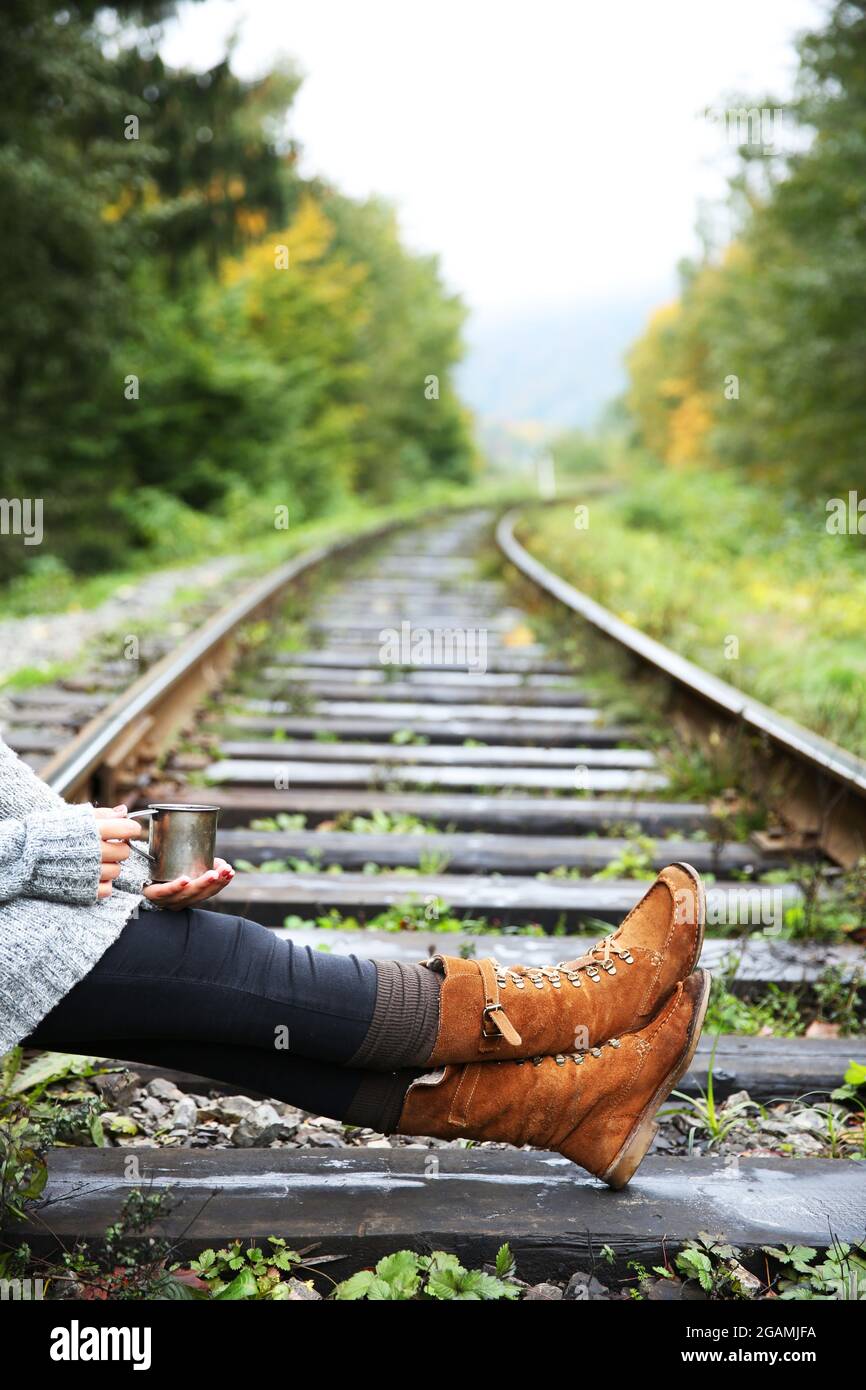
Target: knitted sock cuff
(378, 1101)
(405, 1020)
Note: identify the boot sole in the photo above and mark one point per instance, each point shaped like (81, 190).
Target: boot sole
(701, 923)
(633, 1151)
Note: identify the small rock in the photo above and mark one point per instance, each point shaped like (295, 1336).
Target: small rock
(115, 1124)
(547, 1293)
(738, 1098)
(806, 1145)
(325, 1122)
(312, 1134)
(781, 1127)
(818, 1029)
(301, 1292)
(810, 1120)
(585, 1287)
(748, 1282)
(258, 1129)
(674, 1290)
(152, 1109)
(662, 1290)
(379, 1144)
(163, 1090)
(662, 1141)
(185, 1115)
(117, 1088)
(229, 1109)
(288, 1112)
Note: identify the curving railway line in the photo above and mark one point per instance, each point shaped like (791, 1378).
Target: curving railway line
(392, 744)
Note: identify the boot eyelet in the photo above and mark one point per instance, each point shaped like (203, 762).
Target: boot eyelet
(596, 1051)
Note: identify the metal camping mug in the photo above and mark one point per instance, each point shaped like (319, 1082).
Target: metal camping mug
(181, 840)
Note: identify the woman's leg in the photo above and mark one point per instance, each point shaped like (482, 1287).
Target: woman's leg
(226, 998)
(205, 977)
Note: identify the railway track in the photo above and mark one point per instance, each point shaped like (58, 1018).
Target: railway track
(371, 778)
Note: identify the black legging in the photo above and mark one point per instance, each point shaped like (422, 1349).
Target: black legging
(224, 998)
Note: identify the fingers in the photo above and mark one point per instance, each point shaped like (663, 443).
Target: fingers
(162, 892)
(110, 812)
(182, 892)
(119, 828)
(108, 872)
(104, 890)
(115, 851)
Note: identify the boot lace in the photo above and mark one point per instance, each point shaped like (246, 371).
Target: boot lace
(560, 1058)
(602, 956)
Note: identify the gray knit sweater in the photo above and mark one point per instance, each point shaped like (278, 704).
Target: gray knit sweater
(53, 929)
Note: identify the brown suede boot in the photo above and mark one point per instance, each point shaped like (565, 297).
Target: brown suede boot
(489, 1011)
(597, 1108)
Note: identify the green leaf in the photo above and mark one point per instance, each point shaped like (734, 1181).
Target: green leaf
(176, 1291)
(696, 1265)
(445, 1284)
(505, 1262)
(242, 1286)
(36, 1184)
(355, 1287)
(400, 1271)
(856, 1074)
(381, 1291)
(52, 1066)
(440, 1260)
(477, 1284)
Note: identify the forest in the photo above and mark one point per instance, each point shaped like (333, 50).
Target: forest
(193, 330)
(759, 362)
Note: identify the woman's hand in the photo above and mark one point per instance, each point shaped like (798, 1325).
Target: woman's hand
(185, 892)
(114, 830)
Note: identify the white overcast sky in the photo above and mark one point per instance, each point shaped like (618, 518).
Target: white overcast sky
(551, 151)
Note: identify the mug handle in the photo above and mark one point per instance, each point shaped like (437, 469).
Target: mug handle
(145, 853)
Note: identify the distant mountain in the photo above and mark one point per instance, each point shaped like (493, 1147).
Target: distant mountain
(557, 367)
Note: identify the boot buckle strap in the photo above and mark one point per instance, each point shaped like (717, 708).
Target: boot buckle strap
(502, 1024)
(493, 1009)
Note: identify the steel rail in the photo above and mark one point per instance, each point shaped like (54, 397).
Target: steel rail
(68, 772)
(801, 743)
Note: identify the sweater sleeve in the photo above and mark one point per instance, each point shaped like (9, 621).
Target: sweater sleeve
(54, 855)
(22, 794)
(134, 873)
(21, 791)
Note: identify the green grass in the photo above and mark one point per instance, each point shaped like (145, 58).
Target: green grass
(697, 560)
(49, 586)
